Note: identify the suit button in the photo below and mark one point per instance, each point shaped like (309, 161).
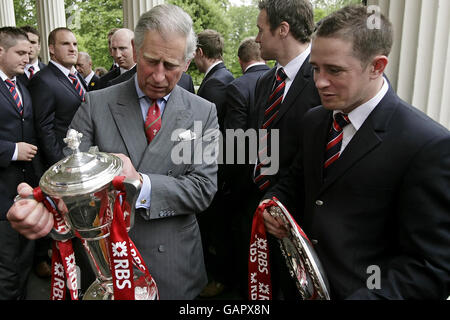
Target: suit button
(161, 248)
(319, 202)
(314, 241)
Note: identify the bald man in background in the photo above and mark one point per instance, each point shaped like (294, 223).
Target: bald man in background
(84, 68)
(122, 53)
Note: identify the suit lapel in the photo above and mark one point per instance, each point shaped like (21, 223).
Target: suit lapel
(129, 121)
(301, 80)
(177, 114)
(65, 81)
(210, 73)
(365, 140)
(4, 90)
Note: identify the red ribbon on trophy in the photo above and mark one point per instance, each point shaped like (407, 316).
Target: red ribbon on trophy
(63, 257)
(123, 252)
(259, 282)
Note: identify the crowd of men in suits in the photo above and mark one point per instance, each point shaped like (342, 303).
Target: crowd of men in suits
(384, 201)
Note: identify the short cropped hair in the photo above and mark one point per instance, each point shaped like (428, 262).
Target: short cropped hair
(249, 50)
(351, 24)
(30, 29)
(166, 19)
(299, 14)
(212, 43)
(10, 35)
(52, 35)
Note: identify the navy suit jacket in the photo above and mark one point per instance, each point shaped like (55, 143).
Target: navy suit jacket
(15, 128)
(23, 77)
(385, 203)
(55, 102)
(240, 96)
(301, 97)
(213, 88)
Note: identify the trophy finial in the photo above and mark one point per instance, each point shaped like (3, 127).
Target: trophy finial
(73, 139)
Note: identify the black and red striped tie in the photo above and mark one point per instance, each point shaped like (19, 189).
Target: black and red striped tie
(270, 114)
(12, 88)
(78, 86)
(333, 149)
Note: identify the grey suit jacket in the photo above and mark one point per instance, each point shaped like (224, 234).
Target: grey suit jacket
(167, 235)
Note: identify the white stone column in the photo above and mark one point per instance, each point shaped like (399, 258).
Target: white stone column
(133, 9)
(50, 15)
(419, 63)
(7, 18)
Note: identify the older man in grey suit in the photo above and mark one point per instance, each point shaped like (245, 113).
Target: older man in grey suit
(115, 119)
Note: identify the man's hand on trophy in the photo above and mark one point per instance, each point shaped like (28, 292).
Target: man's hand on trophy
(128, 169)
(29, 217)
(26, 151)
(274, 225)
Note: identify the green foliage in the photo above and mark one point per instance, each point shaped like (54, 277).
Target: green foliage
(91, 21)
(24, 12)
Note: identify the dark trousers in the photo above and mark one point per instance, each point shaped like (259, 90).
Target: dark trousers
(16, 260)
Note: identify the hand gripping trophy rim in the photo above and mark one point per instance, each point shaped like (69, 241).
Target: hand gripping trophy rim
(300, 254)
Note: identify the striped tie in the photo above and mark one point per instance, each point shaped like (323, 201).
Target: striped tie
(153, 121)
(77, 85)
(333, 149)
(270, 115)
(31, 71)
(12, 88)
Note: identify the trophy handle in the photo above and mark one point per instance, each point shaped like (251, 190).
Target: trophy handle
(60, 231)
(132, 189)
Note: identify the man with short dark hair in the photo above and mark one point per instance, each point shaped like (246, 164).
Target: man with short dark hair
(18, 161)
(57, 92)
(283, 95)
(34, 65)
(373, 172)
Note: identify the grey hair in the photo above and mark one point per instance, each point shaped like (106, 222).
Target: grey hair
(166, 19)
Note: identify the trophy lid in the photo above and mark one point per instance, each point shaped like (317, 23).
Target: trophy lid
(81, 172)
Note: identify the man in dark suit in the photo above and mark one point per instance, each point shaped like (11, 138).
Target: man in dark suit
(208, 59)
(34, 65)
(284, 35)
(165, 229)
(240, 98)
(84, 68)
(122, 53)
(57, 92)
(18, 148)
(184, 82)
(377, 205)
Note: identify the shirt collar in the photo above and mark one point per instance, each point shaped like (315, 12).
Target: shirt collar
(4, 76)
(141, 94)
(64, 69)
(254, 64)
(212, 66)
(292, 68)
(358, 115)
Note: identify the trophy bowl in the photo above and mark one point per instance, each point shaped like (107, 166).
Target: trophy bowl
(81, 190)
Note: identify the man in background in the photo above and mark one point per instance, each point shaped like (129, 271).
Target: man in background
(84, 68)
(34, 65)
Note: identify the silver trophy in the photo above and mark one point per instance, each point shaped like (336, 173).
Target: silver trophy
(81, 186)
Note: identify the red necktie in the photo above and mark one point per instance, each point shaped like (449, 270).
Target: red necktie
(12, 88)
(153, 121)
(333, 149)
(270, 113)
(31, 71)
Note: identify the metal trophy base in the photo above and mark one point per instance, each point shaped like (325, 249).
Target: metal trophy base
(104, 290)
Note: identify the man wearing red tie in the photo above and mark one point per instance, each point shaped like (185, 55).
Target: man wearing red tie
(18, 160)
(34, 65)
(57, 92)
